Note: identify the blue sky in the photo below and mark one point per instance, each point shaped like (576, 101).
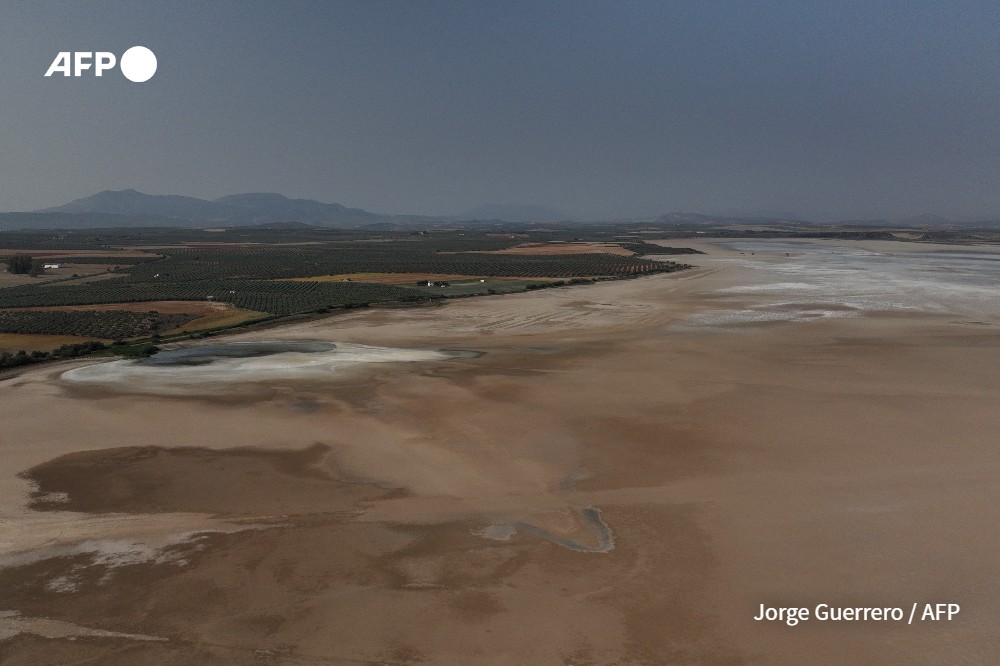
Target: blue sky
(822, 110)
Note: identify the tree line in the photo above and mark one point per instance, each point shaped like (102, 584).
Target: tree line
(25, 264)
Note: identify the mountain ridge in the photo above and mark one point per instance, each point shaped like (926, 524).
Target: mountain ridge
(235, 209)
(131, 208)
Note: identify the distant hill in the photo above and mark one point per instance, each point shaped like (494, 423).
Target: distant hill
(685, 219)
(130, 202)
(287, 225)
(129, 206)
(513, 213)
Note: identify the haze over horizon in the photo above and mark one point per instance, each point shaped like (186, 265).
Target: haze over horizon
(848, 111)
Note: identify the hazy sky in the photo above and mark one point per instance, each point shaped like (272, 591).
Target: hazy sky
(821, 109)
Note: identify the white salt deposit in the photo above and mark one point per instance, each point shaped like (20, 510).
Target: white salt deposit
(208, 369)
(801, 281)
(12, 624)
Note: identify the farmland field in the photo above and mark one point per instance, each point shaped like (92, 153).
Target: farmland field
(407, 279)
(539, 249)
(255, 273)
(199, 314)
(12, 342)
(116, 324)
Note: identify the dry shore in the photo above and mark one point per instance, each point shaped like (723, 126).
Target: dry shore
(616, 478)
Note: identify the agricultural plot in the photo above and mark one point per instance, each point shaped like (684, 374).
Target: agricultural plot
(260, 272)
(562, 248)
(10, 343)
(111, 324)
(279, 298)
(261, 263)
(642, 248)
(403, 279)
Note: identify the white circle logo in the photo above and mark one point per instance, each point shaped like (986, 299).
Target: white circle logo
(138, 64)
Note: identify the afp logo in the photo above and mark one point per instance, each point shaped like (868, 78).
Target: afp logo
(138, 64)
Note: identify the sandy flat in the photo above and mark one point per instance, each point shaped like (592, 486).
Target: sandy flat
(621, 474)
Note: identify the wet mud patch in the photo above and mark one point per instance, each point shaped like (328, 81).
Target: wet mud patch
(450, 556)
(328, 588)
(31, 650)
(231, 482)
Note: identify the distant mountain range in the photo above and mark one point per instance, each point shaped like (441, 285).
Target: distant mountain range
(233, 210)
(129, 208)
(120, 208)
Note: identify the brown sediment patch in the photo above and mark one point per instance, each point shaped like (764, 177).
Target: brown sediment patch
(247, 482)
(328, 589)
(647, 452)
(475, 605)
